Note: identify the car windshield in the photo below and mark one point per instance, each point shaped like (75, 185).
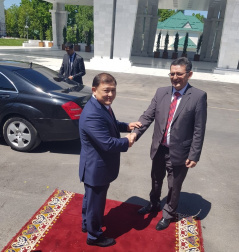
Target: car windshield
(43, 78)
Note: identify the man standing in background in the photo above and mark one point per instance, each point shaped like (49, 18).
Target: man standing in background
(73, 66)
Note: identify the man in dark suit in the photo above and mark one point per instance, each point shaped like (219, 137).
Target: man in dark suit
(100, 155)
(73, 66)
(180, 113)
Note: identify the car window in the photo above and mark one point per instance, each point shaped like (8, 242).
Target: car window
(42, 78)
(5, 84)
(42, 81)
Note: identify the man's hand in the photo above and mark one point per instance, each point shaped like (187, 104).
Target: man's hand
(133, 125)
(190, 163)
(70, 77)
(131, 137)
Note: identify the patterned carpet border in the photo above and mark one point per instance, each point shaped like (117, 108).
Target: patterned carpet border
(188, 229)
(189, 235)
(27, 239)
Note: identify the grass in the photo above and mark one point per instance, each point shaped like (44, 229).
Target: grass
(11, 42)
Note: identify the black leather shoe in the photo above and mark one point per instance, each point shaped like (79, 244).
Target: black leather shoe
(101, 242)
(162, 224)
(150, 208)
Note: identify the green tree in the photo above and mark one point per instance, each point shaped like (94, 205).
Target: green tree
(158, 42)
(64, 34)
(165, 14)
(81, 34)
(199, 43)
(89, 38)
(84, 20)
(166, 41)
(34, 13)
(185, 45)
(73, 10)
(180, 10)
(199, 16)
(71, 34)
(49, 35)
(41, 36)
(176, 41)
(11, 19)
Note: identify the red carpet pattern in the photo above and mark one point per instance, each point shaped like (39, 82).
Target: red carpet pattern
(38, 226)
(189, 235)
(56, 227)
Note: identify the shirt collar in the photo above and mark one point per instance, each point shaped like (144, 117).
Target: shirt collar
(72, 56)
(180, 91)
(107, 106)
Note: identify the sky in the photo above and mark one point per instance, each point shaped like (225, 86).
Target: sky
(8, 3)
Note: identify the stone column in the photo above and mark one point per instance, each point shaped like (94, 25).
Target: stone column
(153, 26)
(59, 20)
(210, 31)
(229, 49)
(215, 51)
(138, 40)
(2, 19)
(146, 27)
(125, 20)
(104, 12)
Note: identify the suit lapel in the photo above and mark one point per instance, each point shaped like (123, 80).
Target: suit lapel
(106, 114)
(68, 65)
(185, 98)
(113, 119)
(166, 105)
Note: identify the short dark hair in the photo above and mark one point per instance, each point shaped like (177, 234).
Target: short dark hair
(69, 44)
(103, 78)
(183, 61)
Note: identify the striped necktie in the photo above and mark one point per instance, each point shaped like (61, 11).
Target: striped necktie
(170, 116)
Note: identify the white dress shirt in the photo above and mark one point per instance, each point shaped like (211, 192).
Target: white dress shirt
(178, 102)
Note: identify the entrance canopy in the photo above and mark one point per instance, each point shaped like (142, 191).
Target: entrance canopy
(163, 4)
(127, 27)
(201, 5)
(72, 2)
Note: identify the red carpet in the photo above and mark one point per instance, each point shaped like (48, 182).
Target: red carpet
(56, 227)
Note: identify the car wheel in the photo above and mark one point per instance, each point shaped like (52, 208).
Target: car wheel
(20, 135)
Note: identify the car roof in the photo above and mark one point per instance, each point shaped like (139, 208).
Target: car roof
(34, 73)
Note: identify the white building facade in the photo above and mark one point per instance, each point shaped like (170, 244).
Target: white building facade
(127, 27)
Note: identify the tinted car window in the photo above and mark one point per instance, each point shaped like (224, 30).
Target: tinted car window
(45, 82)
(5, 84)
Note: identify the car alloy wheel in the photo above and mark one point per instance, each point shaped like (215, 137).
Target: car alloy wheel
(20, 134)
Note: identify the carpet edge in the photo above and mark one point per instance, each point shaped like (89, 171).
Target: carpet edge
(30, 220)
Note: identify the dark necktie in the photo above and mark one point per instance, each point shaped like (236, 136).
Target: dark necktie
(70, 65)
(170, 115)
(110, 111)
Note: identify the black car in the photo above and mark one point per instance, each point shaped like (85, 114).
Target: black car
(36, 104)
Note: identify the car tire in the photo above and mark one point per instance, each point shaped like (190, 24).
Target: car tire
(20, 134)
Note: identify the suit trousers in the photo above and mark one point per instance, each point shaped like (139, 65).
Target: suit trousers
(93, 207)
(175, 176)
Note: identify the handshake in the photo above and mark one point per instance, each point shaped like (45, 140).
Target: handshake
(132, 136)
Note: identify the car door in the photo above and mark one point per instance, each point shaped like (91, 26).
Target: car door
(8, 94)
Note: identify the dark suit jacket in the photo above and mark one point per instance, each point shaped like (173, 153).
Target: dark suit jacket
(78, 67)
(100, 144)
(187, 128)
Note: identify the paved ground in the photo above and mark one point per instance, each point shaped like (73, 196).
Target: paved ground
(27, 179)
